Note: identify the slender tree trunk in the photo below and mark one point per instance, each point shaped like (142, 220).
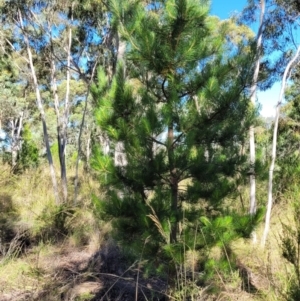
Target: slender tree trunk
(63, 142)
(88, 150)
(13, 148)
(253, 92)
(121, 47)
(80, 132)
(285, 77)
(62, 119)
(79, 144)
(173, 184)
(59, 128)
(41, 110)
(16, 128)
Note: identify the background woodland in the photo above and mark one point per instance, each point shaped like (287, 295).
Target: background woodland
(135, 162)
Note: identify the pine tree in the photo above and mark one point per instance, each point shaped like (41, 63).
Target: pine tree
(176, 114)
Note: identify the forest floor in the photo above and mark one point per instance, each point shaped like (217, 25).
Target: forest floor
(64, 271)
(69, 273)
(68, 255)
(40, 273)
(50, 252)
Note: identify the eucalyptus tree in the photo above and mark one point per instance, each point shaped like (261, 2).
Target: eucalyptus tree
(62, 44)
(175, 105)
(253, 92)
(278, 26)
(282, 14)
(258, 45)
(12, 114)
(15, 98)
(285, 78)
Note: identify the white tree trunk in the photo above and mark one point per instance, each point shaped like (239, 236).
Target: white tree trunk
(65, 119)
(285, 77)
(79, 138)
(120, 155)
(59, 122)
(253, 92)
(62, 118)
(16, 128)
(41, 110)
(81, 130)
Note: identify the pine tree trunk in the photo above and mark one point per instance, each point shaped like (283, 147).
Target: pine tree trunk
(42, 112)
(173, 184)
(121, 47)
(285, 77)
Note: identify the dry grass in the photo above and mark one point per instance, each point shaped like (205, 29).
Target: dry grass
(27, 203)
(267, 266)
(49, 268)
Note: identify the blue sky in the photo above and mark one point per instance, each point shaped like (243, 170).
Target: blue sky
(224, 9)
(267, 99)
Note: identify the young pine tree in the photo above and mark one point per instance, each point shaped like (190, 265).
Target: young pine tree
(176, 113)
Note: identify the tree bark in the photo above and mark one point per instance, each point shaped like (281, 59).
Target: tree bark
(41, 110)
(62, 119)
(285, 77)
(79, 143)
(63, 139)
(81, 130)
(173, 184)
(253, 91)
(16, 128)
(58, 121)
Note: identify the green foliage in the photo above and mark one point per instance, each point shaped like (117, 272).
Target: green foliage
(55, 152)
(173, 114)
(8, 215)
(221, 231)
(288, 168)
(51, 224)
(85, 297)
(28, 156)
(290, 240)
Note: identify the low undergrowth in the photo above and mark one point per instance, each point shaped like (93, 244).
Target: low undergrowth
(50, 252)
